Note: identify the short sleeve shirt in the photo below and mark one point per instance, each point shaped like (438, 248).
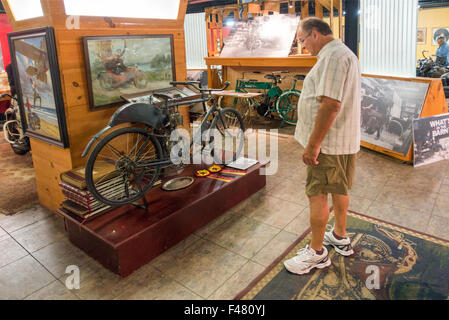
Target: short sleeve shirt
(336, 75)
(443, 51)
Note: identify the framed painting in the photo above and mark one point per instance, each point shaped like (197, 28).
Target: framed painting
(35, 67)
(438, 32)
(123, 65)
(421, 36)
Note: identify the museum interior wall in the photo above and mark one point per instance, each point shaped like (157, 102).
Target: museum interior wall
(431, 19)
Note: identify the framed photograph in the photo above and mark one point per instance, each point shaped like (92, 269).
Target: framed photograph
(437, 32)
(121, 65)
(421, 36)
(389, 107)
(36, 70)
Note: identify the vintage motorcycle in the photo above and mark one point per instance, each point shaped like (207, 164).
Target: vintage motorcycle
(12, 128)
(111, 81)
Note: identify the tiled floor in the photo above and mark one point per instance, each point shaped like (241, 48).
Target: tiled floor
(221, 259)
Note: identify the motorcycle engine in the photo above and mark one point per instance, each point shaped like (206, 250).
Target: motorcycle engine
(262, 109)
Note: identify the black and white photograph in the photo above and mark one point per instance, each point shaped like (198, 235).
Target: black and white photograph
(430, 139)
(265, 36)
(388, 109)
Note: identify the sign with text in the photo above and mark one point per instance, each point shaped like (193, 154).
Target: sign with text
(431, 139)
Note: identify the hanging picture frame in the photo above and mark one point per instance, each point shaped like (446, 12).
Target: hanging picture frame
(129, 64)
(436, 32)
(36, 72)
(421, 36)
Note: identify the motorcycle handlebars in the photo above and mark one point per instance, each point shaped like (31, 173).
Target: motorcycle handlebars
(6, 95)
(193, 85)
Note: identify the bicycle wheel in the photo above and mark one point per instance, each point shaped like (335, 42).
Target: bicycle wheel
(118, 157)
(287, 106)
(242, 105)
(227, 136)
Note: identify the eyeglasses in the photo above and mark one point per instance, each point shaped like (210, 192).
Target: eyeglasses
(302, 40)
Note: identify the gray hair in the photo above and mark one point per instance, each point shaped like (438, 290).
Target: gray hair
(313, 23)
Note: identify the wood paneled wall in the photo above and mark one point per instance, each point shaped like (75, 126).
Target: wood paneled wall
(50, 161)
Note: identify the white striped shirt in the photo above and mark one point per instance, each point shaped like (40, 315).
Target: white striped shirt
(336, 75)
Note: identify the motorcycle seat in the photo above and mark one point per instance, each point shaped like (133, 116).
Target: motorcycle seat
(299, 77)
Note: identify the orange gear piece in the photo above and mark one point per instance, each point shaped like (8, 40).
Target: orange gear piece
(215, 169)
(202, 173)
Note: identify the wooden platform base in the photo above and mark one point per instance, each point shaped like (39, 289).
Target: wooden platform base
(127, 238)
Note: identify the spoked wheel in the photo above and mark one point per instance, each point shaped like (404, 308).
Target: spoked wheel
(12, 133)
(227, 136)
(287, 106)
(242, 105)
(117, 159)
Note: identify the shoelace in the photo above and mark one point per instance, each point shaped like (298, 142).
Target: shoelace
(304, 251)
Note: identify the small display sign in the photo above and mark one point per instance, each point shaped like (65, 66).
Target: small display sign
(430, 139)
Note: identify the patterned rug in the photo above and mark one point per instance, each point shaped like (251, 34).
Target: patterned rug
(17, 182)
(389, 263)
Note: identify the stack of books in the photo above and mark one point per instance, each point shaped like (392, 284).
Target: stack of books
(79, 200)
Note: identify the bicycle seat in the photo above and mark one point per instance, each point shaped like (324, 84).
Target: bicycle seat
(299, 77)
(272, 77)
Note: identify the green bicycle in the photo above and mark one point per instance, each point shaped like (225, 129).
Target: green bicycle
(273, 100)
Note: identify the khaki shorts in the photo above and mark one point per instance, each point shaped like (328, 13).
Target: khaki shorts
(334, 174)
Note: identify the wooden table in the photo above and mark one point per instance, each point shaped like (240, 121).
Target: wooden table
(235, 94)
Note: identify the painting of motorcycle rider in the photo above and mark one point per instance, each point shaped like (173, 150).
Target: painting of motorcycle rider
(388, 109)
(118, 65)
(430, 139)
(35, 66)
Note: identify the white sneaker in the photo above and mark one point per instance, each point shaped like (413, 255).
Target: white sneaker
(306, 260)
(342, 246)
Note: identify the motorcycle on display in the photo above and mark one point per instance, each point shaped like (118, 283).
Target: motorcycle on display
(12, 128)
(111, 81)
(430, 68)
(445, 80)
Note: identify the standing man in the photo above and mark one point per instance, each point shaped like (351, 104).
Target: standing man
(329, 130)
(443, 49)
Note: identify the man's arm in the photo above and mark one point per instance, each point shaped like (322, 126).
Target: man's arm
(327, 112)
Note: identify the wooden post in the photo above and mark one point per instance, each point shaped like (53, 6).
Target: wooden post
(292, 9)
(332, 15)
(304, 9)
(318, 9)
(340, 20)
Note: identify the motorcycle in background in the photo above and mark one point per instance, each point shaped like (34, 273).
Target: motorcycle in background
(430, 68)
(12, 128)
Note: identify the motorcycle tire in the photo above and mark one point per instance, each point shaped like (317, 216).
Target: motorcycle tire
(20, 151)
(20, 148)
(446, 92)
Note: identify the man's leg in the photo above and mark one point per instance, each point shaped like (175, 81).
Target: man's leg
(340, 204)
(319, 216)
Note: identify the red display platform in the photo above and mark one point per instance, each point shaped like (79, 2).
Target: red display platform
(128, 237)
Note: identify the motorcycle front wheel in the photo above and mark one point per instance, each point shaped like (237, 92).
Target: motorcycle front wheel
(227, 136)
(12, 133)
(115, 171)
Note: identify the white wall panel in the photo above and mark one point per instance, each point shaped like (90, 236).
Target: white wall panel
(388, 37)
(196, 40)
